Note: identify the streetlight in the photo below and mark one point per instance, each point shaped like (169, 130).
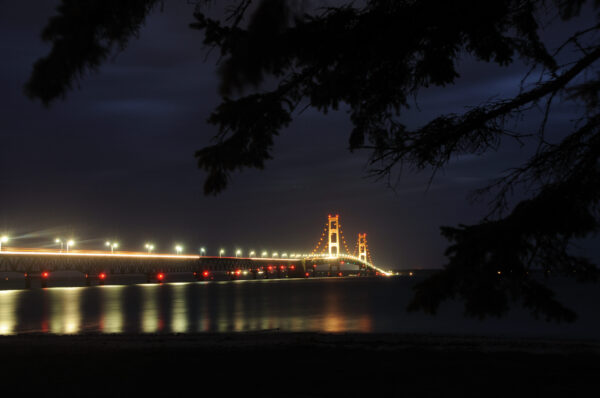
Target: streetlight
(61, 243)
(112, 245)
(178, 249)
(221, 252)
(3, 239)
(202, 251)
(70, 243)
(264, 254)
(238, 252)
(252, 253)
(284, 255)
(150, 247)
(275, 254)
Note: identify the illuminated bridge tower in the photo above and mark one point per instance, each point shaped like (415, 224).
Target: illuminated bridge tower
(362, 247)
(334, 235)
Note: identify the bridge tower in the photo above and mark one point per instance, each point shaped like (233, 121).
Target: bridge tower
(362, 247)
(334, 235)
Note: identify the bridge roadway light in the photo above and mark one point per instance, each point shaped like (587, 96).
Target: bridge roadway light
(275, 254)
(150, 247)
(221, 252)
(202, 251)
(3, 239)
(264, 254)
(284, 255)
(178, 249)
(238, 252)
(252, 253)
(70, 243)
(58, 241)
(112, 245)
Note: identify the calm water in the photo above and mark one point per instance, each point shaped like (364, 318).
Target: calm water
(324, 305)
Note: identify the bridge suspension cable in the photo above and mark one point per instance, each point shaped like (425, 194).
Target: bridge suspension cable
(320, 242)
(369, 259)
(355, 250)
(344, 239)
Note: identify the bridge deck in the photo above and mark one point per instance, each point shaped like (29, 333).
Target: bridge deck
(36, 261)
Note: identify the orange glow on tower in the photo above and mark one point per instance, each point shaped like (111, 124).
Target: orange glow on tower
(334, 235)
(362, 247)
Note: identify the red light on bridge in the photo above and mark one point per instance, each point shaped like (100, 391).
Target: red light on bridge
(270, 268)
(282, 267)
(45, 274)
(205, 273)
(237, 272)
(339, 274)
(292, 267)
(160, 276)
(307, 274)
(102, 275)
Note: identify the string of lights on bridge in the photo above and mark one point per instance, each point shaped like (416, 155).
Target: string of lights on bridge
(68, 245)
(332, 230)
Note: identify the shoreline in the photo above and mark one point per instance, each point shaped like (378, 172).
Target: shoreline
(279, 364)
(271, 338)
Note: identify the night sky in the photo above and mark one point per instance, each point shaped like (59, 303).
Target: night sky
(115, 159)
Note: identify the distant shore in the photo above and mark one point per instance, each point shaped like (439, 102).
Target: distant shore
(273, 363)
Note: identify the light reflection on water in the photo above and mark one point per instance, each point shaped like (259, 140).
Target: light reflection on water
(150, 316)
(65, 313)
(111, 317)
(237, 306)
(179, 322)
(8, 308)
(322, 305)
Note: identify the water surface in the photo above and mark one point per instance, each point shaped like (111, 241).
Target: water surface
(321, 305)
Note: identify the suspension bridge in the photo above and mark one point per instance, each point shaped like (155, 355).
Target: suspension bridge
(329, 257)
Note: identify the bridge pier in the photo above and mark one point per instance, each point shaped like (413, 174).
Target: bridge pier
(44, 278)
(201, 275)
(234, 274)
(155, 277)
(337, 272)
(90, 277)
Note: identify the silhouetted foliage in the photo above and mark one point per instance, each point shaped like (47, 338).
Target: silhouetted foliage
(372, 58)
(83, 35)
